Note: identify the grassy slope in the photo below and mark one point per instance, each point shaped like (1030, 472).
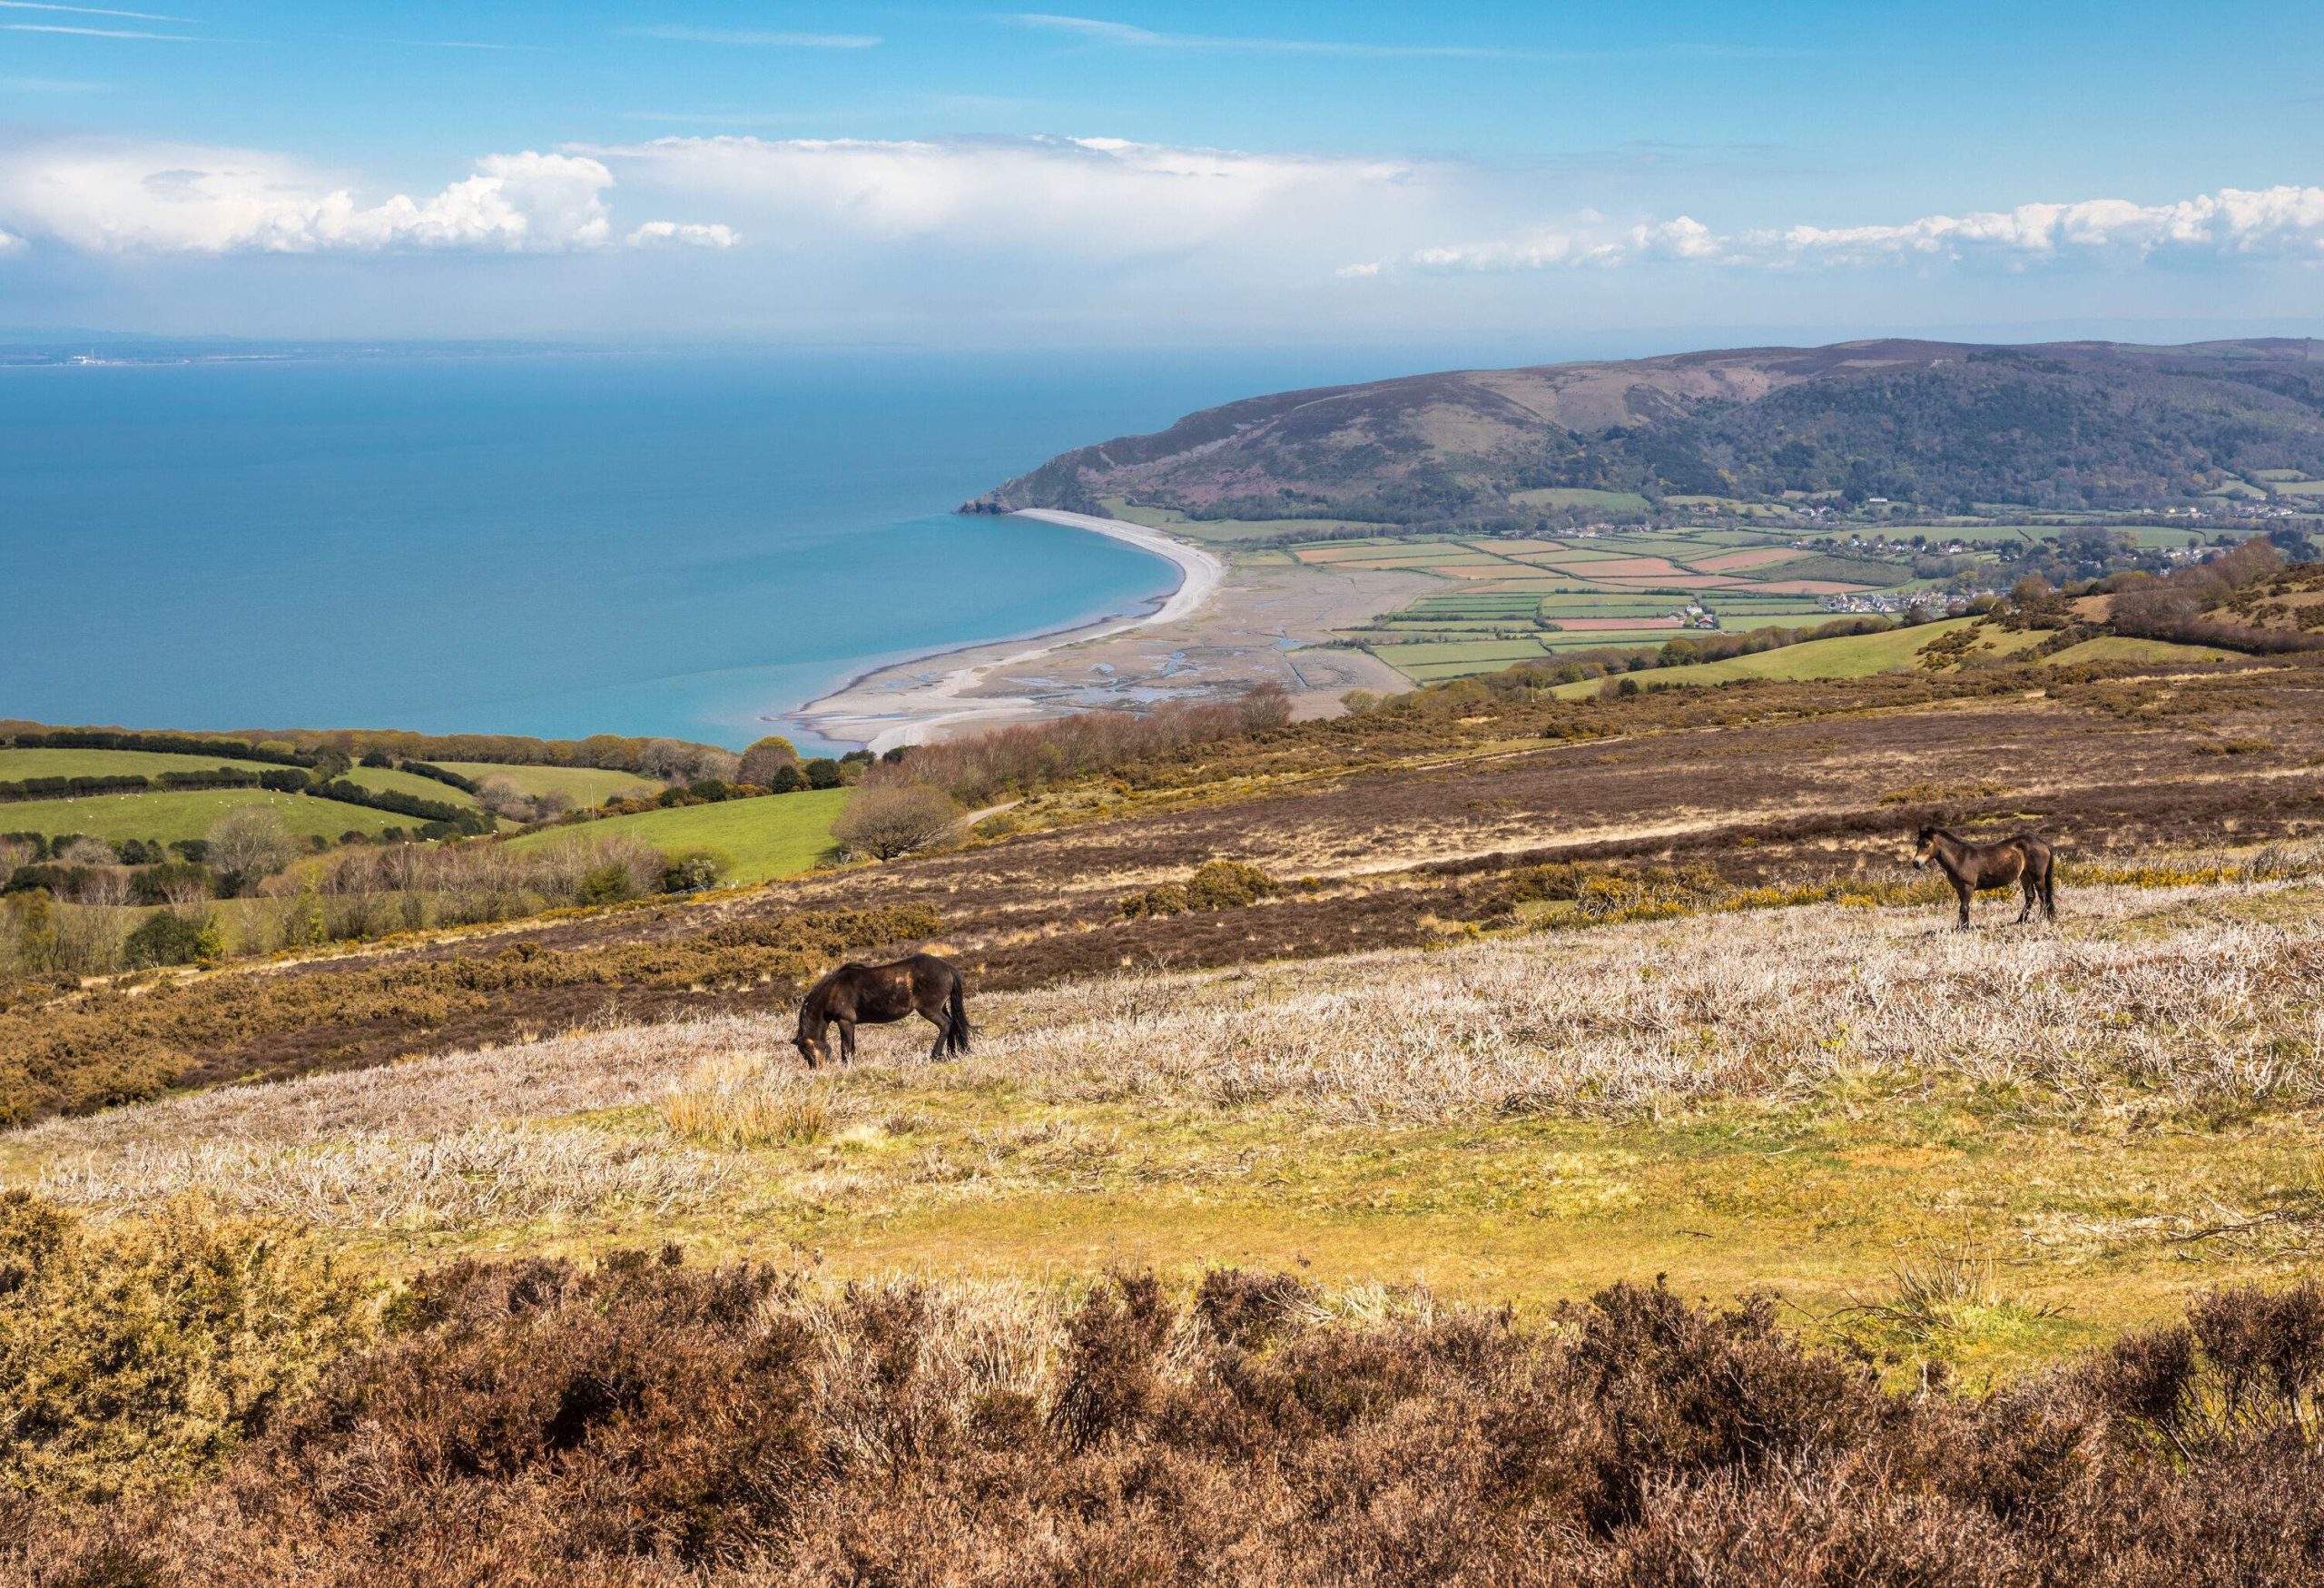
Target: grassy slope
(1851, 656)
(584, 785)
(189, 814)
(19, 763)
(2116, 647)
(1779, 1099)
(778, 836)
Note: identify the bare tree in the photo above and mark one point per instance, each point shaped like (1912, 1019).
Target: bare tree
(763, 759)
(886, 820)
(88, 852)
(249, 842)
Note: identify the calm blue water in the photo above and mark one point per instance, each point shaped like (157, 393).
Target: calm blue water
(555, 545)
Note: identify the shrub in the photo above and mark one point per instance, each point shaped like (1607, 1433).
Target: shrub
(1217, 884)
(606, 884)
(134, 1356)
(695, 870)
(765, 759)
(171, 939)
(887, 820)
(247, 843)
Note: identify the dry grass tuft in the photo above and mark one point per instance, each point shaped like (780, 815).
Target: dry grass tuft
(740, 1100)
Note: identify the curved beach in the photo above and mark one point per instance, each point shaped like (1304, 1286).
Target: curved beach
(898, 704)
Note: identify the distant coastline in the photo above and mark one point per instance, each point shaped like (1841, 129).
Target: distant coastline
(896, 704)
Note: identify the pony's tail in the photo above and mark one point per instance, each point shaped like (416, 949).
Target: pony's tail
(2050, 889)
(956, 1030)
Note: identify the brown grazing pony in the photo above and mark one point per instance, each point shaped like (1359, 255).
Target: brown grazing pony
(876, 994)
(2027, 860)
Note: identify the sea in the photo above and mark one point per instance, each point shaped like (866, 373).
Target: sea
(551, 543)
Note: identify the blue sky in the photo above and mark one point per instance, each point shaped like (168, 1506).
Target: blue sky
(1160, 172)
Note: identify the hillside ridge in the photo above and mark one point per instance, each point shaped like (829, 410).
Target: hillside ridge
(2055, 426)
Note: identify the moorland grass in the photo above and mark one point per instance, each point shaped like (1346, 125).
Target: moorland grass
(1799, 1097)
(779, 835)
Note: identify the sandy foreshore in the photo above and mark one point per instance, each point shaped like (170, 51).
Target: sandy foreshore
(901, 704)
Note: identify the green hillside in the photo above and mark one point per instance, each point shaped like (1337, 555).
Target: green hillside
(2060, 427)
(777, 837)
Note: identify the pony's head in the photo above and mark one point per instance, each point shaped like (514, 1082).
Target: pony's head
(812, 1038)
(1923, 847)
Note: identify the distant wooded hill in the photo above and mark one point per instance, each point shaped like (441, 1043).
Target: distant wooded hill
(2061, 426)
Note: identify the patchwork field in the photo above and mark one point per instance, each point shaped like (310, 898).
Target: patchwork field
(1745, 578)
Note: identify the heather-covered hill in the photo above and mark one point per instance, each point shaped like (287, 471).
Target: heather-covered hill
(2059, 426)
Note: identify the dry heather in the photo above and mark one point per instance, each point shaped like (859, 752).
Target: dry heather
(531, 1423)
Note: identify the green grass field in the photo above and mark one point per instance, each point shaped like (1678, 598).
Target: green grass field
(18, 764)
(1857, 656)
(584, 786)
(778, 836)
(385, 780)
(190, 814)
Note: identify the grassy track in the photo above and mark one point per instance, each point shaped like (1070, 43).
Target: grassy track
(190, 814)
(19, 763)
(778, 836)
(584, 786)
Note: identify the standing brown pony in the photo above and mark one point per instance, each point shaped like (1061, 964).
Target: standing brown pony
(2028, 860)
(876, 994)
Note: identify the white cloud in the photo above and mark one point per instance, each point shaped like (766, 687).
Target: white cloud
(2234, 223)
(10, 242)
(656, 233)
(174, 199)
(1083, 198)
